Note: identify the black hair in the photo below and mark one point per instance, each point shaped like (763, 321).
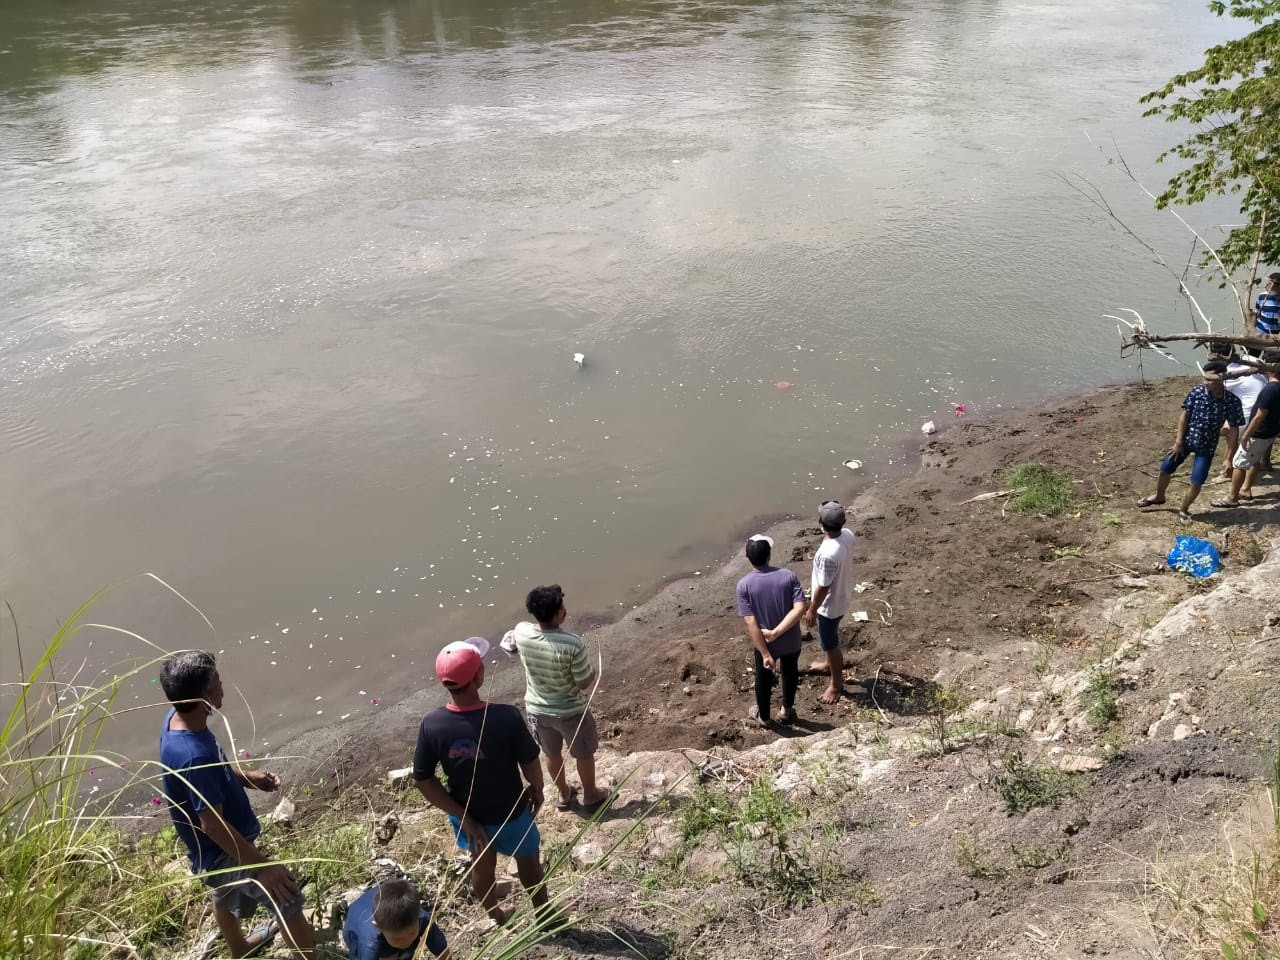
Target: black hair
(396, 905)
(1215, 366)
(758, 552)
(186, 677)
(543, 603)
(1221, 349)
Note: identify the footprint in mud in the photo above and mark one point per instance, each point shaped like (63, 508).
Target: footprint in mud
(907, 513)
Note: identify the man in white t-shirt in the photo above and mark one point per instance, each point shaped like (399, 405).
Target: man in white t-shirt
(1246, 382)
(830, 589)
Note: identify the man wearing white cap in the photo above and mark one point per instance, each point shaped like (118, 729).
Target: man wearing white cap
(830, 590)
(770, 601)
(484, 749)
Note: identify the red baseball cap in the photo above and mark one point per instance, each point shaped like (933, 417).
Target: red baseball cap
(458, 663)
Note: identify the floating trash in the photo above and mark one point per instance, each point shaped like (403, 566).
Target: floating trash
(928, 427)
(853, 464)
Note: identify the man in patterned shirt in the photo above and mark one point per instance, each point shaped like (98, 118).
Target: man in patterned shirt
(1266, 311)
(1207, 407)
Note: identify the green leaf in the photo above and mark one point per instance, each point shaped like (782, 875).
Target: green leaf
(1259, 914)
(1228, 951)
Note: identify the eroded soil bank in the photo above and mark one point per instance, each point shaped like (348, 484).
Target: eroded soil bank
(1044, 727)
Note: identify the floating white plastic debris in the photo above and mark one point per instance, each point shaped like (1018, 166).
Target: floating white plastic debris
(579, 359)
(929, 427)
(853, 464)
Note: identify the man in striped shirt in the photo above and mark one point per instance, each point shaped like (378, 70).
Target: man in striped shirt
(557, 677)
(1266, 312)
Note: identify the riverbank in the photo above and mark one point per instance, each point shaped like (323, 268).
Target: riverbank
(1044, 728)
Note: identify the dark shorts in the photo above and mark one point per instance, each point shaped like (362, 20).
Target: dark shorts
(552, 732)
(237, 892)
(518, 837)
(828, 632)
(1199, 469)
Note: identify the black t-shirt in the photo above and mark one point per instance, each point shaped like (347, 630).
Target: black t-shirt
(481, 752)
(1268, 400)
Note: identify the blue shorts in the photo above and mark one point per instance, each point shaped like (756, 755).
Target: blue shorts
(1199, 469)
(518, 837)
(828, 632)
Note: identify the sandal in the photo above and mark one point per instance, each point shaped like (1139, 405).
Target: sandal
(787, 716)
(260, 937)
(1225, 504)
(1149, 502)
(754, 715)
(564, 806)
(1184, 517)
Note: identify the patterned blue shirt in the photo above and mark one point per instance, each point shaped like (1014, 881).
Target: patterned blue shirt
(1267, 311)
(1205, 416)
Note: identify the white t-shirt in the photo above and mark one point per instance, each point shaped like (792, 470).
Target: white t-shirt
(833, 567)
(1246, 388)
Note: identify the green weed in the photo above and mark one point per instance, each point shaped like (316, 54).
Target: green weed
(1038, 488)
(1100, 696)
(1024, 786)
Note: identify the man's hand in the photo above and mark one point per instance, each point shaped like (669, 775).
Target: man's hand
(767, 661)
(262, 780)
(1176, 449)
(477, 836)
(810, 617)
(769, 635)
(279, 884)
(535, 797)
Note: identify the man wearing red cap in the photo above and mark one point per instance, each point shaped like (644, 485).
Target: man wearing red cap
(485, 749)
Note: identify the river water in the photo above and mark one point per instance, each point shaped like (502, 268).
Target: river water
(290, 292)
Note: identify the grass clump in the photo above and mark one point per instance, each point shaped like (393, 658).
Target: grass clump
(1023, 785)
(1100, 696)
(1038, 488)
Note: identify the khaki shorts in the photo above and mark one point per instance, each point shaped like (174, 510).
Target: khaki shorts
(1252, 453)
(552, 732)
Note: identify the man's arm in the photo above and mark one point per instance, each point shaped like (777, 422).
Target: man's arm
(757, 640)
(1259, 417)
(275, 879)
(819, 595)
(588, 683)
(790, 620)
(434, 793)
(1180, 438)
(532, 772)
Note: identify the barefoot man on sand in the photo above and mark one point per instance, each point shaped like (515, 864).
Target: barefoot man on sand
(830, 588)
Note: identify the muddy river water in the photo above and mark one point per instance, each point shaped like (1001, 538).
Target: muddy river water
(290, 292)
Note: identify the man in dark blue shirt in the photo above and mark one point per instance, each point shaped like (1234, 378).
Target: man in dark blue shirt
(387, 922)
(1206, 408)
(770, 602)
(212, 816)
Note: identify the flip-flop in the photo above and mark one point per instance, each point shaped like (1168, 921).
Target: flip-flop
(1149, 502)
(1184, 517)
(564, 806)
(264, 933)
(591, 809)
(754, 716)
(1225, 504)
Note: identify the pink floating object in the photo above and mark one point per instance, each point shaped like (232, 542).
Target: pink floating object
(156, 801)
(784, 384)
(959, 408)
(373, 700)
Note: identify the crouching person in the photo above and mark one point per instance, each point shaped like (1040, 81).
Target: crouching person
(212, 816)
(387, 922)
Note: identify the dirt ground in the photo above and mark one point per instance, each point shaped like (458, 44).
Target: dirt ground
(1013, 617)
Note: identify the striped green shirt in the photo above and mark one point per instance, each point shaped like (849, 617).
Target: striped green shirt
(555, 662)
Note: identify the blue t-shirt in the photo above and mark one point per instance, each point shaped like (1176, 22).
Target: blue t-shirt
(366, 942)
(769, 594)
(1267, 309)
(198, 778)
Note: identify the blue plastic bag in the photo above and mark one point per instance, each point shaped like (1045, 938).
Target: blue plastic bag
(1196, 557)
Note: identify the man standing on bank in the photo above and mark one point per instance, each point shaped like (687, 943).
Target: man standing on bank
(771, 601)
(1266, 309)
(830, 588)
(484, 749)
(557, 677)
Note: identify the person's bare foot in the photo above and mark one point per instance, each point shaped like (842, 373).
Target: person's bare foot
(830, 695)
(820, 666)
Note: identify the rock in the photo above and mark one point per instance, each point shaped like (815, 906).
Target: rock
(1182, 731)
(386, 828)
(706, 863)
(1134, 583)
(1079, 763)
(400, 779)
(283, 813)
(585, 854)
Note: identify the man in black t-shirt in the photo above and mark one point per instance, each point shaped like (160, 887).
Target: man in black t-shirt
(1257, 437)
(484, 749)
